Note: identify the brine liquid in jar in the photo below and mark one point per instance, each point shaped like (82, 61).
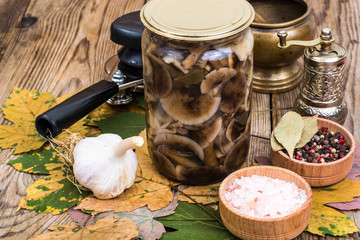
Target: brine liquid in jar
(197, 88)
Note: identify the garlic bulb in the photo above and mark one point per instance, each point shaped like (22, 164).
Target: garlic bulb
(106, 164)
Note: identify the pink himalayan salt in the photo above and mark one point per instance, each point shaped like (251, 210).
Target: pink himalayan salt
(264, 197)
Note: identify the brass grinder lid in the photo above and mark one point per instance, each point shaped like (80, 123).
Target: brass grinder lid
(197, 20)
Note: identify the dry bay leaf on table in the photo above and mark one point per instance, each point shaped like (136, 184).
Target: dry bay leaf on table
(288, 131)
(150, 189)
(107, 228)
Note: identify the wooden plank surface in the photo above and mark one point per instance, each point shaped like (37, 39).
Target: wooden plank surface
(65, 49)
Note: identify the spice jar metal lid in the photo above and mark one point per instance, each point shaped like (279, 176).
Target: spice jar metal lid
(197, 20)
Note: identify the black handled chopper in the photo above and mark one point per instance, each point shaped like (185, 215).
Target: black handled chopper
(124, 76)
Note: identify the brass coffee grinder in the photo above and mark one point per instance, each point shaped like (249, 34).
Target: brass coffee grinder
(323, 85)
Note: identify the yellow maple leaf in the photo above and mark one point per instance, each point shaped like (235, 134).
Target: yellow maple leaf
(201, 194)
(106, 228)
(24, 106)
(326, 220)
(150, 189)
(105, 110)
(21, 108)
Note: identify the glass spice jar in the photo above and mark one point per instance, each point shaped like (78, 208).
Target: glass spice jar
(198, 61)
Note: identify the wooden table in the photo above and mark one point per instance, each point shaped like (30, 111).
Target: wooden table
(61, 46)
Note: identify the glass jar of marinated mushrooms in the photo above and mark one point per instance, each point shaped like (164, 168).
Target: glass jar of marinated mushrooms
(198, 61)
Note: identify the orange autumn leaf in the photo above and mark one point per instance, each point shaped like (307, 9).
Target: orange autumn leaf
(150, 189)
(107, 228)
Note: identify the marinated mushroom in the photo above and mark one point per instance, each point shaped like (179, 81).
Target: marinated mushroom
(237, 154)
(207, 134)
(243, 49)
(180, 143)
(210, 159)
(200, 175)
(216, 78)
(160, 84)
(233, 92)
(164, 164)
(180, 157)
(237, 125)
(194, 55)
(187, 105)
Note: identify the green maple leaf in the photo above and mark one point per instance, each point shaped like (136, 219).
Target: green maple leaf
(54, 193)
(192, 222)
(125, 124)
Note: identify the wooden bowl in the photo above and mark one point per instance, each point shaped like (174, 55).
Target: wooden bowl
(320, 174)
(246, 227)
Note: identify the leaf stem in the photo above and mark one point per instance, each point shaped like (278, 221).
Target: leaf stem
(201, 206)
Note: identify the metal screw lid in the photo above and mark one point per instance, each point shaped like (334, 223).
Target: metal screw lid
(197, 20)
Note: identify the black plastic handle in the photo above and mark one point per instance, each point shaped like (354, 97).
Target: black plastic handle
(65, 114)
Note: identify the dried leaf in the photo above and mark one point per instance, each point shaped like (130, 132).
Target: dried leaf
(325, 220)
(353, 175)
(275, 145)
(263, 160)
(288, 131)
(202, 194)
(106, 110)
(106, 228)
(53, 193)
(150, 189)
(193, 77)
(24, 106)
(21, 108)
(192, 222)
(140, 100)
(125, 124)
(309, 130)
(80, 217)
(102, 112)
(44, 162)
(149, 228)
